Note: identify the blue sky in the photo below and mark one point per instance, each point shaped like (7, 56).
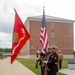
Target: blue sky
(26, 8)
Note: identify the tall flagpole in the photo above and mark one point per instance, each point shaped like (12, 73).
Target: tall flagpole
(33, 42)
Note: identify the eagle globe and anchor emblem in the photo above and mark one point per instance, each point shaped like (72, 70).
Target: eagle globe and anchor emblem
(15, 37)
(17, 40)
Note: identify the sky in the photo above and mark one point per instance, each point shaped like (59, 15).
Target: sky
(26, 8)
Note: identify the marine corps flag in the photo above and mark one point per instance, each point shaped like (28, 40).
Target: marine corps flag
(20, 37)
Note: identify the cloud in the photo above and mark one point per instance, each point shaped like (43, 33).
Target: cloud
(5, 40)
(26, 8)
(6, 27)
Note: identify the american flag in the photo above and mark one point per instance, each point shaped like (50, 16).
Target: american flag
(43, 35)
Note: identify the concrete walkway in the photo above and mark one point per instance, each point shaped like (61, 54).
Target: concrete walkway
(68, 71)
(18, 69)
(15, 69)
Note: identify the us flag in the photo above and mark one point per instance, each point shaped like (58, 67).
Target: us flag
(43, 35)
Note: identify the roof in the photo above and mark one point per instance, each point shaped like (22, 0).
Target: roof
(51, 18)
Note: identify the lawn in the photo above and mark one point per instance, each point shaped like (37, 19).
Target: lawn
(30, 64)
(1, 55)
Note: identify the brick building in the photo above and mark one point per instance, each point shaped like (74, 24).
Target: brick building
(60, 33)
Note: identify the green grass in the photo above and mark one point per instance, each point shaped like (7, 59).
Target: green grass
(30, 64)
(65, 62)
(1, 58)
(1, 55)
(60, 73)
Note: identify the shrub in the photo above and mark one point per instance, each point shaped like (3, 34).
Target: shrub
(1, 55)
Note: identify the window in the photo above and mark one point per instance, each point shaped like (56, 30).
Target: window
(52, 34)
(52, 24)
(52, 44)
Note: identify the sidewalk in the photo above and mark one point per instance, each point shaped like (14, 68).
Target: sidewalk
(15, 69)
(18, 69)
(67, 71)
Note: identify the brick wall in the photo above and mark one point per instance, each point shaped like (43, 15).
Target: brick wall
(63, 38)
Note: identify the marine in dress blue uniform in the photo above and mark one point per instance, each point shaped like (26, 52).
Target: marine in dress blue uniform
(52, 62)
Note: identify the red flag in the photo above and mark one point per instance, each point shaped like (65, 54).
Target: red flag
(20, 37)
(43, 35)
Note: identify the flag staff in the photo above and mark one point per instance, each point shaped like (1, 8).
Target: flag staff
(33, 42)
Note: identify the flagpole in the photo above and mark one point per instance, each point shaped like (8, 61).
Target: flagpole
(33, 42)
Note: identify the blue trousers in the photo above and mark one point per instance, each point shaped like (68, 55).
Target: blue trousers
(42, 71)
(51, 73)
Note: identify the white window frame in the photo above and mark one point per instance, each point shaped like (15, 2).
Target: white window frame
(52, 25)
(52, 34)
(52, 43)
